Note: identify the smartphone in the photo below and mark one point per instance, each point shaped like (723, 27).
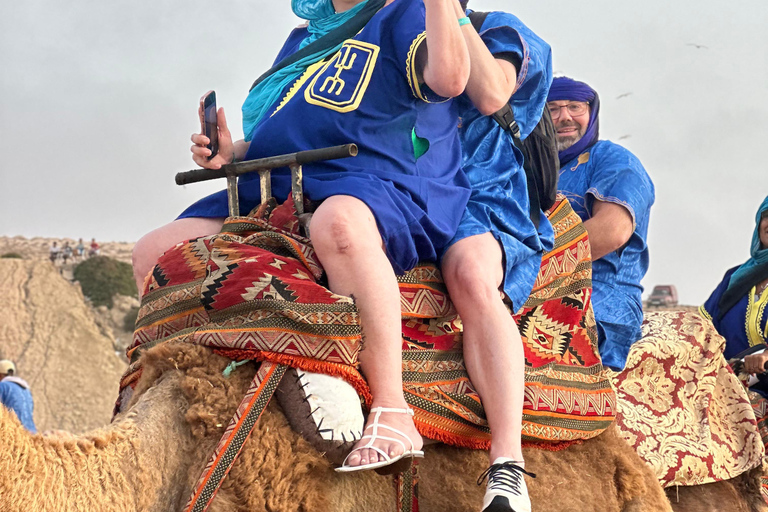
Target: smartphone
(208, 121)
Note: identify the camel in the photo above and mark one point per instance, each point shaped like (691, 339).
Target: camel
(150, 457)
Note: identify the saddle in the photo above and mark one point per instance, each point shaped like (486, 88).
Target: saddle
(256, 291)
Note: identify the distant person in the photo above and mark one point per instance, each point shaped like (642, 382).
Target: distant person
(738, 305)
(15, 395)
(612, 193)
(95, 249)
(80, 249)
(53, 252)
(66, 252)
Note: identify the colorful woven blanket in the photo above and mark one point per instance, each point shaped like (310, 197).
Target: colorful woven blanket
(680, 405)
(255, 291)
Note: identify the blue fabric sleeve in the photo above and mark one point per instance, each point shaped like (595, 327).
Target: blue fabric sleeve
(504, 33)
(5, 395)
(711, 308)
(409, 36)
(619, 178)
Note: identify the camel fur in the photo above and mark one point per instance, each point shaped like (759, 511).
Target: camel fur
(740, 494)
(151, 456)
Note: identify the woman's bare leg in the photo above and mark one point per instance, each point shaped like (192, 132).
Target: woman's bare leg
(152, 245)
(347, 242)
(493, 349)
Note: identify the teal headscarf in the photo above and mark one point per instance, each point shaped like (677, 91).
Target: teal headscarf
(750, 273)
(322, 19)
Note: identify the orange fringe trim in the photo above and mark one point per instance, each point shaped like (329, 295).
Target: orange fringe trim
(348, 373)
(551, 447)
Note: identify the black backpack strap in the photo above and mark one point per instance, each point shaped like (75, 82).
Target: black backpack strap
(477, 19)
(506, 119)
(334, 38)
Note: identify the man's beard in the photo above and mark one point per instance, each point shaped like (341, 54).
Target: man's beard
(565, 142)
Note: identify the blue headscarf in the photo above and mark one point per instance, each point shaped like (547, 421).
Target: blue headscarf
(759, 254)
(322, 19)
(564, 88)
(750, 273)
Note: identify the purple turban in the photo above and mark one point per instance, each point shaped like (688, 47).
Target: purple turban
(564, 88)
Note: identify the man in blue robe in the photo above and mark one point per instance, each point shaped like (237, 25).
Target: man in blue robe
(15, 395)
(612, 193)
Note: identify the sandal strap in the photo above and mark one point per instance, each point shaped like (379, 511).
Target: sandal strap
(376, 435)
(407, 410)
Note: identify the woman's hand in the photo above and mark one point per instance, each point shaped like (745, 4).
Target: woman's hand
(755, 363)
(200, 152)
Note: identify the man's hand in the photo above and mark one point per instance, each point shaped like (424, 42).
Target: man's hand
(200, 152)
(755, 363)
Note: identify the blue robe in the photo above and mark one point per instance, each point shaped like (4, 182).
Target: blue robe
(15, 395)
(745, 324)
(609, 172)
(499, 201)
(368, 93)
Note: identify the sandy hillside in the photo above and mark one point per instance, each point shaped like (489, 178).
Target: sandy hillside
(37, 248)
(53, 335)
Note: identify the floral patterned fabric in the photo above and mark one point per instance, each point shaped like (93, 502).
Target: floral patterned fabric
(680, 405)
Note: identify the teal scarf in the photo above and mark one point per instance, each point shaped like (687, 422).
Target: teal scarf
(750, 273)
(322, 20)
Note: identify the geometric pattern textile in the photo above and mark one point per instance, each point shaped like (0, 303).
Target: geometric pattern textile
(680, 405)
(256, 291)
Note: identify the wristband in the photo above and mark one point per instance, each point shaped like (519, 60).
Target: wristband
(464, 21)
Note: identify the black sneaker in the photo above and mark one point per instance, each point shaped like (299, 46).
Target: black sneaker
(506, 491)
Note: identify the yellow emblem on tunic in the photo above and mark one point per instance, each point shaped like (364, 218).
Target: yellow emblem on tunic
(341, 83)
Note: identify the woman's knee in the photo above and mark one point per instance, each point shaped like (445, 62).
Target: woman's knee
(151, 246)
(473, 275)
(343, 225)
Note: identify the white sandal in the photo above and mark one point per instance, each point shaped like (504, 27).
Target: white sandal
(407, 456)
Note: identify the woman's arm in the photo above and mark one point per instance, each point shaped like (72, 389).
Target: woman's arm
(446, 67)
(491, 81)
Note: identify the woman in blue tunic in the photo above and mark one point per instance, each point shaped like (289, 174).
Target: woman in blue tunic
(497, 246)
(738, 307)
(380, 212)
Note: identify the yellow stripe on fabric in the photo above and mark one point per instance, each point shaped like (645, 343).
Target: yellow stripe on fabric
(297, 85)
(754, 317)
(703, 312)
(410, 67)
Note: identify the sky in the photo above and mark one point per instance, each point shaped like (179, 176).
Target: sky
(98, 101)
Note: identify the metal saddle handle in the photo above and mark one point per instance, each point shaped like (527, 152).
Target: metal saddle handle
(264, 167)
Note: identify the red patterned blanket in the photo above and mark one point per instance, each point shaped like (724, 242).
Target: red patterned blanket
(255, 291)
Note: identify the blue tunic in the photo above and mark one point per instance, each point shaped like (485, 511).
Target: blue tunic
(609, 172)
(745, 324)
(17, 397)
(499, 201)
(368, 93)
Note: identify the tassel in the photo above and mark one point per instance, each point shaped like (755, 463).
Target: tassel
(232, 366)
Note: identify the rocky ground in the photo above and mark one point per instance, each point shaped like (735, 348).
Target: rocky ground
(62, 346)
